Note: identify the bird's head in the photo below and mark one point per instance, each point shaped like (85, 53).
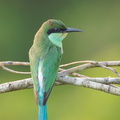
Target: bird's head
(57, 31)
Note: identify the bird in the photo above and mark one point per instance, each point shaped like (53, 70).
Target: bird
(45, 56)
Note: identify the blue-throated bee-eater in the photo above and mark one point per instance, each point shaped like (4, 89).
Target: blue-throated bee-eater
(45, 56)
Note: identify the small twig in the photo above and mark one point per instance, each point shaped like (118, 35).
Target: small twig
(111, 69)
(79, 75)
(3, 63)
(77, 62)
(74, 74)
(92, 64)
(114, 86)
(14, 63)
(14, 71)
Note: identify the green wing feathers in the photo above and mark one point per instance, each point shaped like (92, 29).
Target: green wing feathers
(49, 68)
(34, 62)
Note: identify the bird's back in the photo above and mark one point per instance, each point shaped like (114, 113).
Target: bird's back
(44, 61)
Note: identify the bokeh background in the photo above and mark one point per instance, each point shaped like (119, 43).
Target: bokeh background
(100, 41)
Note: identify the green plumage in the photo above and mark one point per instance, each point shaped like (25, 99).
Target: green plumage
(45, 56)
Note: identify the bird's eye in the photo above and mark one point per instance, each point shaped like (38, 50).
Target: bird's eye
(54, 30)
(57, 29)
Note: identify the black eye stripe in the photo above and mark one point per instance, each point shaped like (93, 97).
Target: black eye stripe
(54, 30)
(50, 31)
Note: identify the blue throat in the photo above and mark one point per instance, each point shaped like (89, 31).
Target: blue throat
(56, 38)
(42, 112)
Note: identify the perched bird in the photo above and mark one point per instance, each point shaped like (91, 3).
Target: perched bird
(45, 56)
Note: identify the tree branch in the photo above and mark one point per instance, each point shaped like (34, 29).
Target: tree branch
(84, 82)
(90, 65)
(64, 78)
(2, 64)
(16, 85)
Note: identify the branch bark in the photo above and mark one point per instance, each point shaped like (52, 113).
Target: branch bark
(64, 78)
(94, 83)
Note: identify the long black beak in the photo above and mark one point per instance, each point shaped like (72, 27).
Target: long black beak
(72, 30)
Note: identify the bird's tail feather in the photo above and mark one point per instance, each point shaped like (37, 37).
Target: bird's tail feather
(42, 115)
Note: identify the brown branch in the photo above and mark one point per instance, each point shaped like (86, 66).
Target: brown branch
(109, 68)
(14, 71)
(90, 65)
(14, 63)
(84, 82)
(3, 63)
(77, 62)
(63, 78)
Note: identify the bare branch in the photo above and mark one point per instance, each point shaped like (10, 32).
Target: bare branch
(2, 64)
(14, 63)
(91, 65)
(84, 82)
(20, 85)
(14, 71)
(77, 62)
(89, 84)
(104, 66)
(16, 85)
(74, 74)
(63, 78)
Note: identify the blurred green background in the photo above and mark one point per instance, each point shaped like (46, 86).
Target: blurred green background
(100, 20)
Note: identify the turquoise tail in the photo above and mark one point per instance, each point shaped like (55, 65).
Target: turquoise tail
(42, 115)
